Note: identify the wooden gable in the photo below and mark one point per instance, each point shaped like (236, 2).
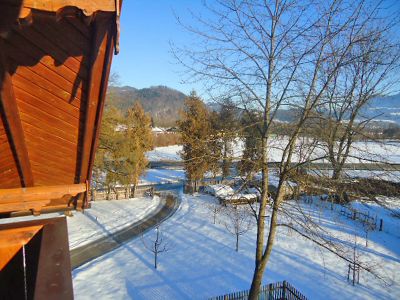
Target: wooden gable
(55, 59)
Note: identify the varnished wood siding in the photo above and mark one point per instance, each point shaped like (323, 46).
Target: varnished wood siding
(49, 62)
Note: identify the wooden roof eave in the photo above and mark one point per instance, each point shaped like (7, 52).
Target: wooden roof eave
(88, 7)
(22, 10)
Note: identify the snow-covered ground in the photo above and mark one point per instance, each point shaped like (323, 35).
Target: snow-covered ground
(366, 152)
(202, 262)
(152, 176)
(168, 153)
(105, 217)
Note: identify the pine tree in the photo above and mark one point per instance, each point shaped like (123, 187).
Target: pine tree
(195, 129)
(228, 126)
(105, 171)
(215, 144)
(250, 162)
(123, 142)
(138, 139)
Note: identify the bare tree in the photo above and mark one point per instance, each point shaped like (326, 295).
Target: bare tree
(373, 71)
(269, 55)
(215, 209)
(156, 245)
(239, 221)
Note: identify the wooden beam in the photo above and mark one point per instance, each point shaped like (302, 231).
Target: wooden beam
(88, 7)
(103, 91)
(100, 63)
(12, 240)
(38, 193)
(34, 198)
(11, 119)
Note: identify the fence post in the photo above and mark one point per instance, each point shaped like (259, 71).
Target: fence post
(270, 290)
(284, 289)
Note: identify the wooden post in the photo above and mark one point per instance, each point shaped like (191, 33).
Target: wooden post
(348, 273)
(381, 225)
(284, 290)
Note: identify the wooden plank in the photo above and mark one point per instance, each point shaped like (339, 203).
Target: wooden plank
(55, 165)
(57, 154)
(61, 40)
(48, 85)
(47, 107)
(44, 178)
(79, 25)
(11, 117)
(39, 193)
(47, 117)
(46, 126)
(12, 240)
(103, 92)
(35, 37)
(73, 36)
(29, 55)
(21, 83)
(98, 76)
(6, 163)
(88, 7)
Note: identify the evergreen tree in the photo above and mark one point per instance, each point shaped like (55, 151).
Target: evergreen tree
(105, 171)
(250, 162)
(228, 126)
(215, 144)
(123, 142)
(195, 129)
(138, 139)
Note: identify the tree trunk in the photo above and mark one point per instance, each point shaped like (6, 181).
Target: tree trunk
(134, 191)
(262, 263)
(237, 242)
(258, 269)
(337, 172)
(155, 260)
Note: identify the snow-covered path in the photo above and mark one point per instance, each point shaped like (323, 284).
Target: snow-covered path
(202, 262)
(115, 239)
(105, 217)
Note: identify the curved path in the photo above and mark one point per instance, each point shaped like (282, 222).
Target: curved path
(88, 252)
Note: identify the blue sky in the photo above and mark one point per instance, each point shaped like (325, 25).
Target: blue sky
(146, 29)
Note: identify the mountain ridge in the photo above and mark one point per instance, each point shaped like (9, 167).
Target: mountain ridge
(161, 102)
(164, 103)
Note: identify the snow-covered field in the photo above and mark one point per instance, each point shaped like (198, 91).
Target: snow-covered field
(168, 153)
(105, 217)
(202, 262)
(152, 176)
(388, 151)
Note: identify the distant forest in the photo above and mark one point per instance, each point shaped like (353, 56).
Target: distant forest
(163, 103)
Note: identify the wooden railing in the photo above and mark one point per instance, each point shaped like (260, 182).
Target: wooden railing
(274, 291)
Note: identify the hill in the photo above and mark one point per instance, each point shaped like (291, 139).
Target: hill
(163, 103)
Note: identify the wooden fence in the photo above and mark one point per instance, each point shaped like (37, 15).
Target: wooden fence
(120, 193)
(365, 218)
(274, 291)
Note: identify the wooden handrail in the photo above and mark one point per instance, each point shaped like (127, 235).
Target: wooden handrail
(40, 193)
(34, 198)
